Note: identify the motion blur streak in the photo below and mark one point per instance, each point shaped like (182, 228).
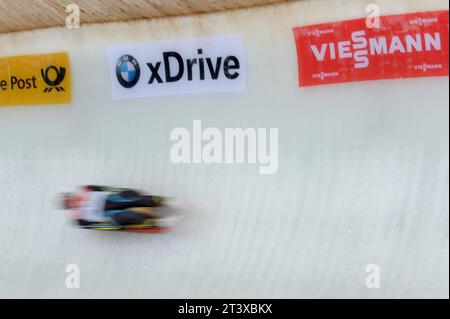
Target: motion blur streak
(362, 177)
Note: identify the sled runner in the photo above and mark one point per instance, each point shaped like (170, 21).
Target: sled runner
(129, 228)
(150, 226)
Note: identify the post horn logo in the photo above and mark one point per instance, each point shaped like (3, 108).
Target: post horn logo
(53, 84)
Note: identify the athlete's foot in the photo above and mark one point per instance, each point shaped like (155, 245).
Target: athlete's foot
(159, 201)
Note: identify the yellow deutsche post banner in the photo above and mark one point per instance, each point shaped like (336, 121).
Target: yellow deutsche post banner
(35, 79)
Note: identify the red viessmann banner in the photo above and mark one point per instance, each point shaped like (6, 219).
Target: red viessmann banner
(405, 46)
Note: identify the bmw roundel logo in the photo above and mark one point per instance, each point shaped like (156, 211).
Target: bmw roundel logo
(127, 71)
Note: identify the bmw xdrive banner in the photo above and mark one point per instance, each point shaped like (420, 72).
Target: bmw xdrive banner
(401, 46)
(35, 79)
(185, 66)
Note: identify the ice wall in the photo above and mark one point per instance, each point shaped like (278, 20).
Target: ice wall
(363, 173)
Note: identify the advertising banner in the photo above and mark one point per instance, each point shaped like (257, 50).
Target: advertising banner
(403, 46)
(186, 66)
(35, 79)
